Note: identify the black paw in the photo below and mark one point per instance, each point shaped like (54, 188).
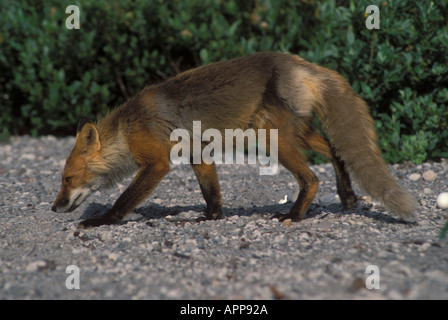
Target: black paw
(214, 215)
(348, 201)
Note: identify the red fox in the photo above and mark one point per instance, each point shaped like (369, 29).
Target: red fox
(262, 91)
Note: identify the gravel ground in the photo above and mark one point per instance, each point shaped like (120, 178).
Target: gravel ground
(161, 252)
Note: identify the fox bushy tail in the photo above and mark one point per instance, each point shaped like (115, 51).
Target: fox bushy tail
(346, 119)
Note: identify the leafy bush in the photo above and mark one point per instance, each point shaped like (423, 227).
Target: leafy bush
(50, 76)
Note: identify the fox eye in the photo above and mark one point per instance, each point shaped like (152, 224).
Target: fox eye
(67, 179)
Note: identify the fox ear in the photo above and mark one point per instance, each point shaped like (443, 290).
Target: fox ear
(88, 139)
(81, 123)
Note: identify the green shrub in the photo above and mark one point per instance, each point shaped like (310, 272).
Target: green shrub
(50, 76)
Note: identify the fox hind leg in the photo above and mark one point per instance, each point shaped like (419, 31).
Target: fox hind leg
(345, 190)
(313, 141)
(291, 158)
(209, 184)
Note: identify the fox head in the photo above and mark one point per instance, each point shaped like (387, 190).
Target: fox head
(78, 180)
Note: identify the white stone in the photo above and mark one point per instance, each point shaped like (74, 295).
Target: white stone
(415, 176)
(442, 200)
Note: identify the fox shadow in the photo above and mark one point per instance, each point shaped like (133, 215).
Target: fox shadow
(315, 211)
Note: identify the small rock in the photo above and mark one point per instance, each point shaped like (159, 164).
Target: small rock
(425, 246)
(429, 176)
(244, 244)
(415, 176)
(157, 201)
(427, 190)
(442, 200)
(287, 223)
(33, 266)
(304, 236)
(36, 265)
(113, 256)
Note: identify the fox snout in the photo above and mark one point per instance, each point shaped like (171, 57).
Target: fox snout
(65, 203)
(59, 204)
(64, 206)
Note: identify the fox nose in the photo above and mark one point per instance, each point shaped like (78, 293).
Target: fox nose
(60, 203)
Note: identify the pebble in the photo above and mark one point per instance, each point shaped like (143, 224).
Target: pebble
(113, 256)
(287, 223)
(414, 176)
(35, 265)
(429, 176)
(442, 200)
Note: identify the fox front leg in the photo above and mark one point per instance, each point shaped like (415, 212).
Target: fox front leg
(144, 183)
